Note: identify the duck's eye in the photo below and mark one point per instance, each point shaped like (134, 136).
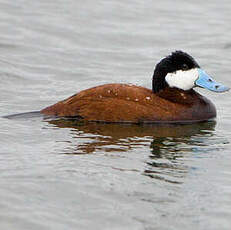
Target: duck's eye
(184, 67)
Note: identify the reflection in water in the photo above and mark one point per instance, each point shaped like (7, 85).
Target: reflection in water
(167, 152)
(168, 143)
(121, 137)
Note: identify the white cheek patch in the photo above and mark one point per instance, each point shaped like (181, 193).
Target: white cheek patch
(182, 79)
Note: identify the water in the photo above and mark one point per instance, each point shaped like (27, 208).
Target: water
(63, 175)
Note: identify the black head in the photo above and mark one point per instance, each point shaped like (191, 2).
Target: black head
(178, 60)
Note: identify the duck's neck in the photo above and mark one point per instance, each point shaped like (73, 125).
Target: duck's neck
(179, 96)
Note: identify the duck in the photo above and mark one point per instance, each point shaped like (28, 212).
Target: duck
(172, 99)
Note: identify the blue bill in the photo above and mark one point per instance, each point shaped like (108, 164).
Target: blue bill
(205, 81)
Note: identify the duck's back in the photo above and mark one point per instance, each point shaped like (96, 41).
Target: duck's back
(130, 103)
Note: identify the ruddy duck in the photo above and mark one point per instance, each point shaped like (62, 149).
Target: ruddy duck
(171, 100)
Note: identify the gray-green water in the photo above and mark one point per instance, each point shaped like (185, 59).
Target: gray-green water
(56, 175)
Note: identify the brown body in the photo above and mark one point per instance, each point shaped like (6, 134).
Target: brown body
(134, 104)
